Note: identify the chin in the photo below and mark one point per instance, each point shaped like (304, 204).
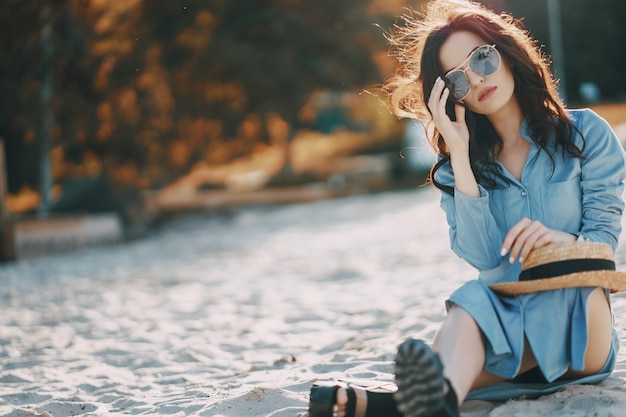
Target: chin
(492, 105)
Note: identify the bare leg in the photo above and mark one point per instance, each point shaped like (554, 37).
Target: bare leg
(461, 347)
(599, 332)
(528, 362)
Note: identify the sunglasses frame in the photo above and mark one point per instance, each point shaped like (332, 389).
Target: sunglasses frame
(466, 64)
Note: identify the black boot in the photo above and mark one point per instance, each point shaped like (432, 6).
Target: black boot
(421, 384)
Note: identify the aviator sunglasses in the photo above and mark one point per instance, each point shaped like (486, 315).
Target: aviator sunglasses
(484, 60)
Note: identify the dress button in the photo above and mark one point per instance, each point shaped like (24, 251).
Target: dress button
(523, 193)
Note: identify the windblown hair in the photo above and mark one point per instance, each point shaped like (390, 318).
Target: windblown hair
(417, 44)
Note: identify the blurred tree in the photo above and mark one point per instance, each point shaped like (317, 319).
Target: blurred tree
(266, 57)
(47, 115)
(180, 82)
(40, 56)
(142, 90)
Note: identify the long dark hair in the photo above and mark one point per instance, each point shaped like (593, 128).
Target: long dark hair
(417, 46)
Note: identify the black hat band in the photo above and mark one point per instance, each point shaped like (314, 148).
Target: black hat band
(572, 266)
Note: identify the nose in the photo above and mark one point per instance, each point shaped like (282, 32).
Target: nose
(474, 78)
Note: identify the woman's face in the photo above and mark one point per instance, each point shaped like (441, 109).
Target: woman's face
(487, 93)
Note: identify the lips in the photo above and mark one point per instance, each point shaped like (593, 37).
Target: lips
(486, 92)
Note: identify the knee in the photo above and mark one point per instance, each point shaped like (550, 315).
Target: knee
(459, 325)
(459, 315)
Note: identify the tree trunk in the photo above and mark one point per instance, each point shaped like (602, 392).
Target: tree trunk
(45, 140)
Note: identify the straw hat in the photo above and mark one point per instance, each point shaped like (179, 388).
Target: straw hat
(559, 265)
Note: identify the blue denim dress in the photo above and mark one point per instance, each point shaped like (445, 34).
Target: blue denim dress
(574, 195)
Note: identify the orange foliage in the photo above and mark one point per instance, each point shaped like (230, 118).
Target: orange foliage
(104, 132)
(214, 129)
(178, 154)
(80, 137)
(145, 81)
(90, 166)
(154, 54)
(155, 153)
(198, 38)
(101, 79)
(386, 63)
(218, 152)
(25, 200)
(307, 113)
(112, 13)
(251, 128)
(231, 93)
(105, 115)
(388, 7)
(127, 105)
(155, 80)
(113, 46)
(124, 174)
(277, 129)
(57, 162)
(169, 140)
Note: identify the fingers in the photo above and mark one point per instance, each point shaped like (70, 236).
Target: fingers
(456, 134)
(444, 100)
(437, 101)
(525, 236)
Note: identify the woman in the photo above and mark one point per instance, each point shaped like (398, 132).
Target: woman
(516, 172)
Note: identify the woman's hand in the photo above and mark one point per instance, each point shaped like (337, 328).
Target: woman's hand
(527, 235)
(455, 134)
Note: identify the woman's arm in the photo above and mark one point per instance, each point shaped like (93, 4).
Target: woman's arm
(456, 135)
(473, 232)
(603, 172)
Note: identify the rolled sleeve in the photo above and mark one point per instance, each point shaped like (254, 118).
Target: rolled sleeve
(603, 169)
(474, 235)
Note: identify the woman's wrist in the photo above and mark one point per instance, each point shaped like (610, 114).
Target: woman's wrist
(566, 237)
(464, 179)
(460, 160)
(459, 153)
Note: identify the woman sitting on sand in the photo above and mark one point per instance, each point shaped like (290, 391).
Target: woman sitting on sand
(517, 172)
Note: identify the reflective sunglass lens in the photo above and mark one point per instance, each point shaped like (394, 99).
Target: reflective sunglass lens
(485, 60)
(458, 85)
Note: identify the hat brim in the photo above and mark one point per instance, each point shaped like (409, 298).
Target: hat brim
(615, 281)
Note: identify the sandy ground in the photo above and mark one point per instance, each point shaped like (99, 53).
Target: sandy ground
(237, 316)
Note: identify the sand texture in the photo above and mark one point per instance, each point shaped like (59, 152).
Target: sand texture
(236, 316)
